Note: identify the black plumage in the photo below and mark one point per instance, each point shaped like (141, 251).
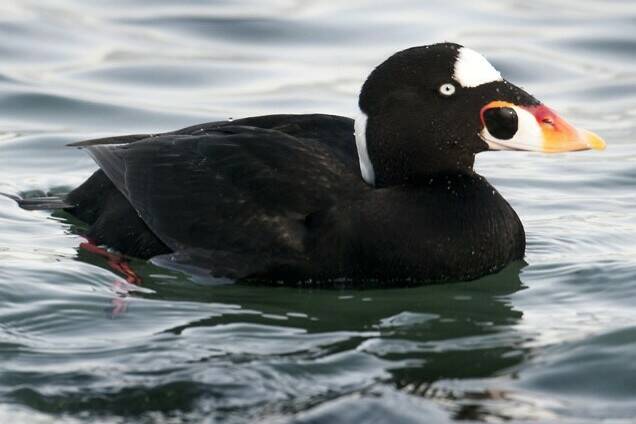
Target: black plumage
(253, 199)
(281, 198)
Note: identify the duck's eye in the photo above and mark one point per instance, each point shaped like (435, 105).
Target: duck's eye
(447, 89)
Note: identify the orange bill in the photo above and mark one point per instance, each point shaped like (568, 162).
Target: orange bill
(507, 126)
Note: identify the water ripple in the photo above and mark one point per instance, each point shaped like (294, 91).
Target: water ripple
(546, 341)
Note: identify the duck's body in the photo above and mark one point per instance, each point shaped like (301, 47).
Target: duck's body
(281, 198)
(301, 198)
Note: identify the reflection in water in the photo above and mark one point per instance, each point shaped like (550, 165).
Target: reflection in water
(419, 336)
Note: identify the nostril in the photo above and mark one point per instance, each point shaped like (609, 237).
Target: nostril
(502, 122)
(548, 121)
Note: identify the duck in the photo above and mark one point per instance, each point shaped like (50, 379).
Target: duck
(388, 197)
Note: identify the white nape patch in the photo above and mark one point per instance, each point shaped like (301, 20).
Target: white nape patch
(472, 69)
(366, 167)
(529, 135)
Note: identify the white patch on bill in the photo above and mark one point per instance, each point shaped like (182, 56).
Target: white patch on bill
(472, 69)
(366, 167)
(529, 135)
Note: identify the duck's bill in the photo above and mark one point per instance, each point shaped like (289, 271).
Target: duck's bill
(507, 126)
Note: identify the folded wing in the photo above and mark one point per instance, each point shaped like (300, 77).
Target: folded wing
(231, 186)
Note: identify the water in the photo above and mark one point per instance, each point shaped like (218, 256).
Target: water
(552, 342)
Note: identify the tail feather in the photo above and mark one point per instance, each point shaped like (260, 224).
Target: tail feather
(40, 203)
(122, 139)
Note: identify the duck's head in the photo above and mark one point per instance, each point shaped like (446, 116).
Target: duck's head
(428, 110)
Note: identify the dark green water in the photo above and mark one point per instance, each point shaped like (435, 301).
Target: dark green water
(554, 341)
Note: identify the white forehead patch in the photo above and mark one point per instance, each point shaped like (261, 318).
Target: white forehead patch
(472, 69)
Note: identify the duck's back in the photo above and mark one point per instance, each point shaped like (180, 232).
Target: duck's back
(243, 186)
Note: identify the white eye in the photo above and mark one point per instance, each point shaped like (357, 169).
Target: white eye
(447, 89)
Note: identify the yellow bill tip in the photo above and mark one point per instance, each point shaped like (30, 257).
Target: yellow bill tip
(594, 141)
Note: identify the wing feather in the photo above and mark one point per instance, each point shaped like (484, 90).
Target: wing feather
(237, 188)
